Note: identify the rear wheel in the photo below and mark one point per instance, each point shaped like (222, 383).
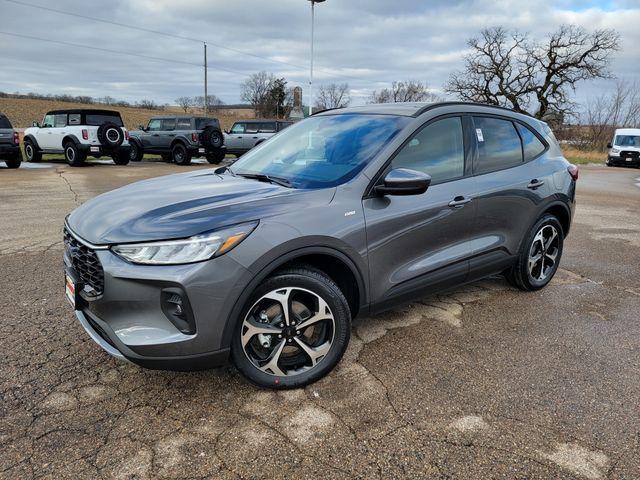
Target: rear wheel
(215, 157)
(121, 158)
(180, 154)
(13, 162)
(293, 330)
(73, 155)
(32, 153)
(539, 256)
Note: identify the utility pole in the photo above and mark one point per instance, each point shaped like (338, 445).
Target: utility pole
(206, 96)
(313, 3)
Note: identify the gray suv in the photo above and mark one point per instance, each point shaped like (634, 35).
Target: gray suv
(246, 134)
(348, 212)
(179, 139)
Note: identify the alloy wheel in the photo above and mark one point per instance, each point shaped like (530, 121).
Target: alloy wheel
(543, 253)
(288, 331)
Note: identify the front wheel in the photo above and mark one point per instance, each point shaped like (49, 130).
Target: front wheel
(293, 330)
(539, 256)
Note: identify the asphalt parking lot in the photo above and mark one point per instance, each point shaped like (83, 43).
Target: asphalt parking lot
(481, 382)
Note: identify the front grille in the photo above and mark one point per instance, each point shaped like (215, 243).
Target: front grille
(630, 154)
(86, 264)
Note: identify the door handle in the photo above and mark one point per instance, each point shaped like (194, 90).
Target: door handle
(255, 137)
(535, 183)
(156, 134)
(459, 202)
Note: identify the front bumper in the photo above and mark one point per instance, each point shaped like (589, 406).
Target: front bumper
(630, 160)
(128, 319)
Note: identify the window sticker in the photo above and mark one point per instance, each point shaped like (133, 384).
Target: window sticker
(479, 134)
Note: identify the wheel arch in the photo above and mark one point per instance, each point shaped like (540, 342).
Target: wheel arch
(562, 213)
(179, 140)
(70, 138)
(32, 139)
(331, 261)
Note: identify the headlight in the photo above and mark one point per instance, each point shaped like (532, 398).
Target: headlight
(615, 150)
(189, 250)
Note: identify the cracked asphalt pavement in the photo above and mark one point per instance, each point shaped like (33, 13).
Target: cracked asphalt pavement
(479, 382)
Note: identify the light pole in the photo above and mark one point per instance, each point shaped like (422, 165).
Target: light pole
(313, 4)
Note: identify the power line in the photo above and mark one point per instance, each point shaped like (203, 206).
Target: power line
(118, 52)
(172, 35)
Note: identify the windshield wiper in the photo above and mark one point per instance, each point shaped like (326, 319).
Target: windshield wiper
(267, 178)
(226, 168)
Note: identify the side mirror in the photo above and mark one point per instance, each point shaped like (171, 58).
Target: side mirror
(609, 145)
(141, 127)
(227, 131)
(403, 181)
(36, 124)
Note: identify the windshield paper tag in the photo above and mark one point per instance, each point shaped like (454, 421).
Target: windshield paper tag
(479, 134)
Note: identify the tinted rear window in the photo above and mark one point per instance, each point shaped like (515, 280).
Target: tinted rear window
(4, 122)
(97, 120)
(201, 123)
(498, 144)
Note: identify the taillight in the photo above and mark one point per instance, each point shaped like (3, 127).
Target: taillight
(194, 137)
(16, 138)
(126, 134)
(573, 171)
(85, 134)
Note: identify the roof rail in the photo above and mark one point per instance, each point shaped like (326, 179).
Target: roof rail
(431, 106)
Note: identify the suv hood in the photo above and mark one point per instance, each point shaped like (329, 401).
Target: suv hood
(183, 205)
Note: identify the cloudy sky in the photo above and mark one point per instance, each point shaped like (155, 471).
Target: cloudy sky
(367, 43)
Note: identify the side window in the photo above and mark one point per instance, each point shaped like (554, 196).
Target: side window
(437, 149)
(60, 120)
(268, 127)
(238, 128)
(531, 144)
(251, 128)
(48, 121)
(154, 124)
(183, 124)
(498, 144)
(74, 119)
(168, 124)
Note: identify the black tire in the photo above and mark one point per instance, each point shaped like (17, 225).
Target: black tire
(216, 157)
(110, 135)
(13, 162)
(524, 278)
(180, 155)
(309, 280)
(136, 152)
(211, 138)
(73, 156)
(121, 158)
(31, 151)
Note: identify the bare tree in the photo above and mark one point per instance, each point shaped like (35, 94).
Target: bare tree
(510, 69)
(185, 103)
(333, 95)
(604, 113)
(214, 101)
(406, 91)
(256, 90)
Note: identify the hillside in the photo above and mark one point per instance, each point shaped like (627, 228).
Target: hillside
(23, 111)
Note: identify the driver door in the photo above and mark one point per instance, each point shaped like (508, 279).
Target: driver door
(151, 134)
(45, 132)
(422, 242)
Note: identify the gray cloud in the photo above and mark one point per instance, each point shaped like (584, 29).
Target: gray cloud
(368, 43)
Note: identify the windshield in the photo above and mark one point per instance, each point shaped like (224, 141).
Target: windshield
(627, 141)
(322, 151)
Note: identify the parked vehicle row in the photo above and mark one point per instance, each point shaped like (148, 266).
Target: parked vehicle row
(246, 134)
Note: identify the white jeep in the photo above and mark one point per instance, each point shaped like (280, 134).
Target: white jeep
(78, 133)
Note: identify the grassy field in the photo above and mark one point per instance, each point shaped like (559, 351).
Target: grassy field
(22, 112)
(582, 157)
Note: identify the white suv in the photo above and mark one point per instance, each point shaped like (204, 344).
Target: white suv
(78, 133)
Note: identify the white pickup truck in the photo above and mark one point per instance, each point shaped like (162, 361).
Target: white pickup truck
(78, 133)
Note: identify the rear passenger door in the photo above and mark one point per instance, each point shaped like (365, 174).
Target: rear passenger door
(250, 135)
(511, 184)
(265, 130)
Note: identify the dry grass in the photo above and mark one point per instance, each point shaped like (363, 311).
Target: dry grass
(23, 111)
(582, 157)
